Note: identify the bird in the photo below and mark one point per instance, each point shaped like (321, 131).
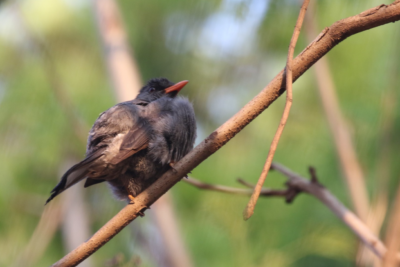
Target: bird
(133, 143)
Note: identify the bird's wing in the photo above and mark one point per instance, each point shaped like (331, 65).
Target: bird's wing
(134, 141)
(90, 182)
(75, 174)
(122, 118)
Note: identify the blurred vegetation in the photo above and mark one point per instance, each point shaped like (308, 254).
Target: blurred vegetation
(229, 50)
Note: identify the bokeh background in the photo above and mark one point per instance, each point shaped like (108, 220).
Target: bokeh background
(54, 82)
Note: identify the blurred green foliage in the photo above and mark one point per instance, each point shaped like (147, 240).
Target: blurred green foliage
(228, 50)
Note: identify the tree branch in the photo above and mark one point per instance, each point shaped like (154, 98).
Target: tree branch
(328, 39)
(232, 190)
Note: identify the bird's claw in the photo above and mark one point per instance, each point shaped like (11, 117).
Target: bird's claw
(131, 199)
(171, 164)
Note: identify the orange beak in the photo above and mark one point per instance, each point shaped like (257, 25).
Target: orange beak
(176, 87)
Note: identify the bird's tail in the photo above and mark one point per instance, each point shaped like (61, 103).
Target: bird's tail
(75, 174)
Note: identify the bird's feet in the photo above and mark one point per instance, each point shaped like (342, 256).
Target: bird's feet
(171, 164)
(141, 212)
(131, 198)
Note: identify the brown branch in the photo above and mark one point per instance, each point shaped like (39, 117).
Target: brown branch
(249, 210)
(328, 39)
(245, 183)
(121, 65)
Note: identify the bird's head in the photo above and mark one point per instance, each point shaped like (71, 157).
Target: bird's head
(159, 87)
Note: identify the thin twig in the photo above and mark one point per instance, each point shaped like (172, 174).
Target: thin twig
(233, 190)
(245, 183)
(249, 210)
(328, 39)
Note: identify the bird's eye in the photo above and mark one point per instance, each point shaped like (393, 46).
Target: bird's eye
(152, 89)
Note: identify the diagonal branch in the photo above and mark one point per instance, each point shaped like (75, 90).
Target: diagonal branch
(249, 210)
(328, 39)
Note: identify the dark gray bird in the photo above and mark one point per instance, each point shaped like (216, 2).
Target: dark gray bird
(133, 143)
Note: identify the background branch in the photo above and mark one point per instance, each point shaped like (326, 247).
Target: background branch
(249, 210)
(328, 39)
(122, 67)
(347, 155)
(352, 172)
